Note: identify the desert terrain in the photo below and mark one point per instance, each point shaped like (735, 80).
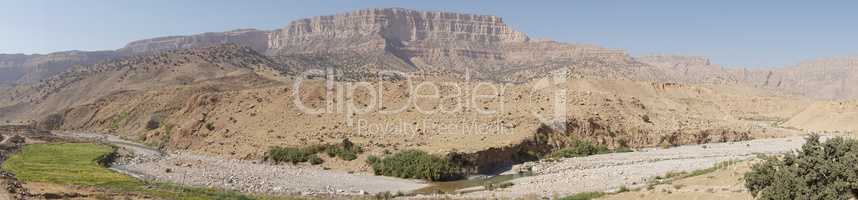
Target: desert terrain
(206, 110)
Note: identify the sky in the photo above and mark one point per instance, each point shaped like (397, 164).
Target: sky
(763, 33)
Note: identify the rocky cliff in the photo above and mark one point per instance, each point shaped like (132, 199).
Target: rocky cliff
(372, 28)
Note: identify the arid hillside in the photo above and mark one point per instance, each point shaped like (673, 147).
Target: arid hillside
(86, 84)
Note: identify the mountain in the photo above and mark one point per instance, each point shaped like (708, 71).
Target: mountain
(21, 68)
(178, 68)
(689, 69)
(361, 43)
(405, 40)
(252, 38)
(827, 78)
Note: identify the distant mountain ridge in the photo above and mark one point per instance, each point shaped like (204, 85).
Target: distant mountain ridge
(365, 41)
(826, 78)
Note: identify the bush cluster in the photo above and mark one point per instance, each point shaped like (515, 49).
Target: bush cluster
(346, 150)
(288, 154)
(819, 170)
(414, 164)
(580, 148)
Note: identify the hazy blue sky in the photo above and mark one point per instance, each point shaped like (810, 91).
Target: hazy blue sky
(748, 33)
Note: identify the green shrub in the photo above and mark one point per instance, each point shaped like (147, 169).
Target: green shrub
(414, 164)
(346, 150)
(332, 152)
(286, 154)
(580, 148)
(817, 171)
(372, 159)
(348, 156)
(315, 160)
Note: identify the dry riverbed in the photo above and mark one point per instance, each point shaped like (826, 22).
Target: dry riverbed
(609, 172)
(558, 178)
(245, 175)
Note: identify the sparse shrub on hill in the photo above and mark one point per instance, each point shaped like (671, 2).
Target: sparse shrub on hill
(414, 164)
(817, 171)
(153, 124)
(210, 126)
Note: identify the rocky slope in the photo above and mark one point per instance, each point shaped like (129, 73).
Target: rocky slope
(86, 84)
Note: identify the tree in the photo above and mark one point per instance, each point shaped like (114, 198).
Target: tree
(819, 170)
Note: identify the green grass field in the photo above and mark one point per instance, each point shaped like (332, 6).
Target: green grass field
(77, 164)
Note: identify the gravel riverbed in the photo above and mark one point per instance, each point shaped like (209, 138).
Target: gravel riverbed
(243, 175)
(558, 178)
(609, 172)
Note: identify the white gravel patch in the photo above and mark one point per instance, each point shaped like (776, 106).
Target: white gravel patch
(249, 176)
(610, 171)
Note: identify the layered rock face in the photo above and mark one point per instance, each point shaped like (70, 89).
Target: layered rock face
(479, 46)
(373, 27)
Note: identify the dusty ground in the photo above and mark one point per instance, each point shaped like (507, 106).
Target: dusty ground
(724, 183)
